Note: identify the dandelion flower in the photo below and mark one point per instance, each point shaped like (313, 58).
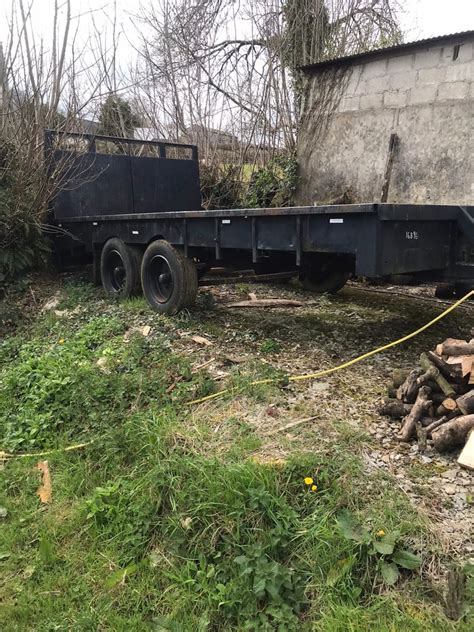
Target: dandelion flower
(380, 533)
(61, 341)
(314, 488)
(308, 480)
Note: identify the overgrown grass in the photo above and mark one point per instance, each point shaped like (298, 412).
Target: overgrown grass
(148, 530)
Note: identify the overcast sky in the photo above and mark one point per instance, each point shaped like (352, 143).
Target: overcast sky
(422, 18)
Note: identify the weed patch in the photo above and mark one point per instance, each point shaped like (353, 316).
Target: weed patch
(153, 528)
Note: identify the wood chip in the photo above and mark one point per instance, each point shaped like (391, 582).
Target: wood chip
(202, 341)
(45, 490)
(293, 424)
(268, 302)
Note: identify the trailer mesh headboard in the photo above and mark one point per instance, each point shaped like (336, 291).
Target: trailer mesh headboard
(103, 175)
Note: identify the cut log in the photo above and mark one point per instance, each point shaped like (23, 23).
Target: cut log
(447, 406)
(421, 436)
(466, 458)
(408, 391)
(451, 371)
(453, 433)
(435, 424)
(394, 408)
(399, 376)
(268, 302)
(442, 382)
(465, 403)
(434, 387)
(419, 407)
(438, 398)
(454, 347)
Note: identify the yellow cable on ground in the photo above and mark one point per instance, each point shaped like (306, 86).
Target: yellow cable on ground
(7, 455)
(345, 365)
(294, 378)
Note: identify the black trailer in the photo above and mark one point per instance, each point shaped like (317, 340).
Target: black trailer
(135, 208)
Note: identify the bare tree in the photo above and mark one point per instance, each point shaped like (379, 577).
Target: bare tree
(52, 86)
(236, 63)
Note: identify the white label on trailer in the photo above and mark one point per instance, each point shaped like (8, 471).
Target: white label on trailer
(134, 232)
(94, 223)
(336, 220)
(226, 221)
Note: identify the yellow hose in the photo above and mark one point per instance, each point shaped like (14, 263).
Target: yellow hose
(345, 365)
(293, 378)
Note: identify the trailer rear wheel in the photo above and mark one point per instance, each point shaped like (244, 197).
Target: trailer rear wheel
(120, 269)
(324, 281)
(169, 280)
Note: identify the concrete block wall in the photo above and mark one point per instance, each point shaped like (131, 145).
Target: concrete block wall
(428, 75)
(426, 96)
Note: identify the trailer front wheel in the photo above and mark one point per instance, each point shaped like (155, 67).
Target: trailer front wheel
(169, 280)
(120, 269)
(321, 281)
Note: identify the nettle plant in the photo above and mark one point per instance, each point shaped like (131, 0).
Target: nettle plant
(383, 547)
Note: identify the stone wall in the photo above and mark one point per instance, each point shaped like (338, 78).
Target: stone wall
(425, 95)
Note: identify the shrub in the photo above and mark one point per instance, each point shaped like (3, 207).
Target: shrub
(273, 185)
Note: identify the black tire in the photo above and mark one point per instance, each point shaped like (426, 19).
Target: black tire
(324, 281)
(402, 279)
(444, 290)
(167, 278)
(120, 269)
(461, 289)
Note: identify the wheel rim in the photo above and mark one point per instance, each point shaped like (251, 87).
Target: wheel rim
(117, 274)
(161, 278)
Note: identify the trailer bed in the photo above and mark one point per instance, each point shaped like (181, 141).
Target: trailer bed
(139, 199)
(384, 239)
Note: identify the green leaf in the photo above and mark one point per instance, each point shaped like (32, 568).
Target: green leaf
(406, 559)
(259, 587)
(386, 545)
(46, 551)
(4, 555)
(350, 529)
(338, 571)
(389, 572)
(119, 576)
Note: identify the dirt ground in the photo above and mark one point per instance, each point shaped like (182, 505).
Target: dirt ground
(339, 408)
(342, 407)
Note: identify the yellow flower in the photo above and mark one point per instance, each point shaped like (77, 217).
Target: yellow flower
(380, 533)
(61, 341)
(314, 488)
(308, 480)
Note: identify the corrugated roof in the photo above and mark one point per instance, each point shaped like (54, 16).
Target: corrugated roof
(376, 52)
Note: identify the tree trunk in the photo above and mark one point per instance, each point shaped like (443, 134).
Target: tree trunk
(453, 433)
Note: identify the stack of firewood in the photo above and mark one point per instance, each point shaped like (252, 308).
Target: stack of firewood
(435, 400)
